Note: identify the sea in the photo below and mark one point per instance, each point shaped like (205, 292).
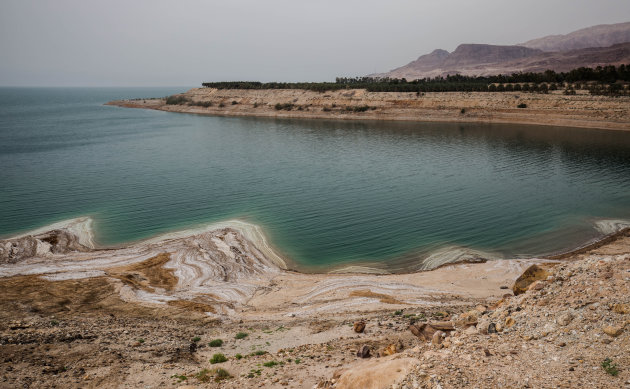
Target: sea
(399, 196)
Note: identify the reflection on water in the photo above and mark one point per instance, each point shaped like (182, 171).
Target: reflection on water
(328, 193)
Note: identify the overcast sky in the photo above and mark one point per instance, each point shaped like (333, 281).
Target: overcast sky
(185, 42)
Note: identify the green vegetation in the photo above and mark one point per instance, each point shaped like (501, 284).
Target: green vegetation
(54, 323)
(179, 378)
(608, 80)
(238, 356)
(286, 106)
(271, 364)
(140, 340)
(221, 374)
(176, 100)
(398, 313)
(259, 352)
(218, 358)
(610, 367)
(297, 361)
(196, 339)
(203, 375)
(216, 343)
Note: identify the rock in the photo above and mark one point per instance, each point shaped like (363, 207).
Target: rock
(359, 326)
(486, 352)
(482, 326)
(564, 318)
(481, 308)
(376, 373)
(364, 352)
(471, 330)
(438, 337)
(613, 331)
(492, 328)
(504, 287)
(621, 308)
(509, 322)
(425, 331)
(533, 273)
(467, 318)
(390, 350)
(537, 285)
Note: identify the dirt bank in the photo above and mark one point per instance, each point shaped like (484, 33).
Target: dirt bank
(555, 109)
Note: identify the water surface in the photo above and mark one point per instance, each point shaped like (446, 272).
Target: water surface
(328, 193)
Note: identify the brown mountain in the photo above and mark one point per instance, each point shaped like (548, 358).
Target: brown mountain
(481, 59)
(604, 35)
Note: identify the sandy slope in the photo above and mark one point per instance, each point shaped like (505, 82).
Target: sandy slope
(556, 109)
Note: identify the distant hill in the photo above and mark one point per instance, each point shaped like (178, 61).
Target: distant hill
(589, 47)
(603, 35)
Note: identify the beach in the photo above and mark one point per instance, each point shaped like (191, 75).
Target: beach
(151, 308)
(554, 109)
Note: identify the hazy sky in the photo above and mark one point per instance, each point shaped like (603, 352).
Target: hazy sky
(185, 42)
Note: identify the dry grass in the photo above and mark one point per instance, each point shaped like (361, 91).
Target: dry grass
(384, 298)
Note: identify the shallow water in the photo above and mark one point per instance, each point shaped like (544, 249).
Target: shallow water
(328, 193)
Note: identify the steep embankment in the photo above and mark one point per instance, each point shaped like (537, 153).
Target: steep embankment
(581, 110)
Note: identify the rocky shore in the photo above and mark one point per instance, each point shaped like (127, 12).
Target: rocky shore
(210, 309)
(555, 108)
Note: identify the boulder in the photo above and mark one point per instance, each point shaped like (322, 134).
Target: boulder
(390, 350)
(375, 373)
(533, 273)
(359, 327)
(613, 331)
(364, 352)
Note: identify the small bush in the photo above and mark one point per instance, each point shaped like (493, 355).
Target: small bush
(203, 375)
(297, 361)
(216, 343)
(241, 335)
(398, 313)
(234, 102)
(326, 109)
(521, 105)
(196, 339)
(238, 356)
(140, 340)
(221, 374)
(610, 367)
(271, 364)
(176, 100)
(218, 358)
(255, 105)
(54, 323)
(259, 352)
(286, 106)
(462, 111)
(221, 105)
(180, 377)
(204, 104)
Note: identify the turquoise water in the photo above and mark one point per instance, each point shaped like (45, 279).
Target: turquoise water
(327, 193)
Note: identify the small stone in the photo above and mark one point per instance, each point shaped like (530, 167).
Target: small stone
(438, 337)
(492, 328)
(390, 350)
(359, 327)
(504, 287)
(487, 352)
(621, 308)
(509, 322)
(564, 319)
(613, 331)
(364, 352)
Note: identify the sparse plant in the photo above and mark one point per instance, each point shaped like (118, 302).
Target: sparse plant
(196, 339)
(271, 364)
(218, 358)
(241, 335)
(216, 343)
(54, 323)
(259, 352)
(238, 356)
(297, 361)
(221, 374)
(221, 105)
(610, 367)
(462, 111)
(140, 340)
(398, 313)
(179, 377)
(203, 375)
(521, 105)
(234, 102)
(176, 100)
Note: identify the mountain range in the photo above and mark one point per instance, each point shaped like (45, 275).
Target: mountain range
(601, 45)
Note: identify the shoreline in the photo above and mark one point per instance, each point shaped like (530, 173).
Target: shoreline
(554, 109)
(82, 229)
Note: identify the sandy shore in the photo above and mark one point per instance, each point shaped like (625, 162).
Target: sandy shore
(554, 109)
(144, 315)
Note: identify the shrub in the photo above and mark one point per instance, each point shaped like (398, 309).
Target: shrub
(204, 104)
(238, 356)
(234, 102)
(326, 109)
(221, 105)
(398, 313)
(462, 111)
(241, 335)
(176, 100)
(610, 367)
(286, 106)
(196, 339)
(218, 358)
(216, 343)
(271, 364)
(221, 374)
(259, 352)
(203, 375)
(521, 105)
